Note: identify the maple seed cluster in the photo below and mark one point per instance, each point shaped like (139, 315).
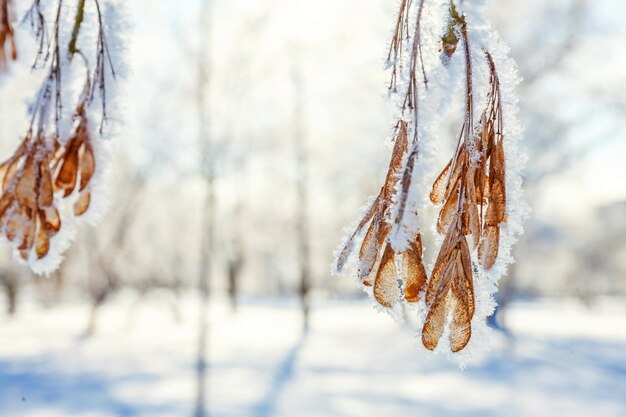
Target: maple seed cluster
(7, 37)
(470, 192)
(383, 268)
(474, 203)
(29, 213)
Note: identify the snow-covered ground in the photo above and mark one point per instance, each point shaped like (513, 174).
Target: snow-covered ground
(564, 360)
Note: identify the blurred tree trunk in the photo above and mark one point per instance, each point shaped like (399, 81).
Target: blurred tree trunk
(234, 272)
(236, 259)
(302, 196)
(10, 283)
(207, 214)
(104, 279)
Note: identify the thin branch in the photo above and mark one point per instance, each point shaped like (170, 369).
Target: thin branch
(80, 13)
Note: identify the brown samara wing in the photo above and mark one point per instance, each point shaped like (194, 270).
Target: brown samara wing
(481, 142)
(486, 190)
(439, 186)
(66, 175)
(25, 188)
(446, 251)
(472, 207)
(460, 328)
(498, 160)
(399, 149)
(368, 253)
(9, 167)
(413, 271)
(459, 167)
(436, 320)
(52, 221)
(14, 223)
(87, 165)
(28, 233)
(6, 201)
(497, 191)
(488, 248)
(480, 179)
(46, 196)
(463, 294)
(82, 204)
(4, 167)
(496, 211)
(347, 249)
(386, 290)
(42, 244)
(8, 173)
(448, 211)
(468, 275)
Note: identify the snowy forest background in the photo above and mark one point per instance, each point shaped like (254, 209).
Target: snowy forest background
(247, 106)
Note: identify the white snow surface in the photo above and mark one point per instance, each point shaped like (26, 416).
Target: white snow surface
(563, 359)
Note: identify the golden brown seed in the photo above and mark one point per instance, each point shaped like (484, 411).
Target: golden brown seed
(87, 166)
(347, 249)
(42, 245)
(52, 219)
(46, 196)
(386, 289)
(66, 176)
(25, 189)
(439, 187)
(82, 204)
(413, 271)
(435, 321)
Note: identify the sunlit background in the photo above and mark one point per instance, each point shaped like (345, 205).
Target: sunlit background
(282, 96)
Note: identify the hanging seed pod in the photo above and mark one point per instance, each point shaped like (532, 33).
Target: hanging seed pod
(376, 267)
(77, 164)
(386, 289)
(27, 210)
(414, 272)
(471, 190)
(8, 50)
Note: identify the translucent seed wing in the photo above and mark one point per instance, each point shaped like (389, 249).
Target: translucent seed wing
(87, 166)
(42, 245)
(82, 204)
(347, 249)
(25, 188)
(435, 321)
(439, 186)
(386, 289)
(66, 176)
(413, 271)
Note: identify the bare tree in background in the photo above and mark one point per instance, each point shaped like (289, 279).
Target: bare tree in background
(235, 257)
(207, 210)
(104, 279)
(10, 282)
(302, 194)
